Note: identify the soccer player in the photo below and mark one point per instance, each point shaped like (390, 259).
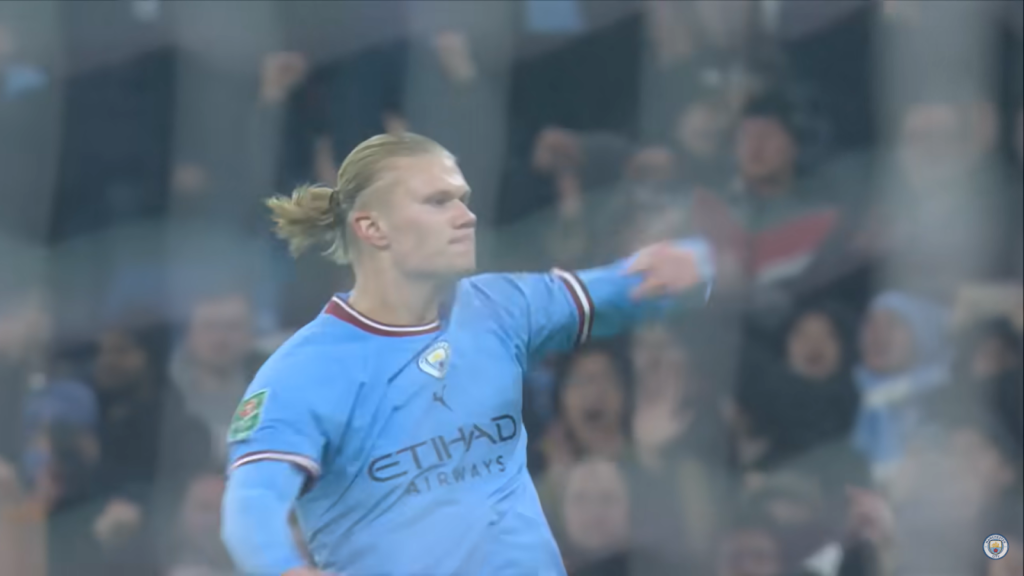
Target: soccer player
(391, 424)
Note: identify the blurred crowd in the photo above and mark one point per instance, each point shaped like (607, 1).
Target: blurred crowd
(850, 404)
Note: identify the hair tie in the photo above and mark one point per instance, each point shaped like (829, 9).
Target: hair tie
(334, 201)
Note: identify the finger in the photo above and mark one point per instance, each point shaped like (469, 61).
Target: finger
(643, 262)
(650, 287)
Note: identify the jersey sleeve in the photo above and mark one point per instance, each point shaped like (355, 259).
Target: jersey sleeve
(277, 420)
(558, 310)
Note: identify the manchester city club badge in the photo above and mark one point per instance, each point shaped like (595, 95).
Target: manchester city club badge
(435, 360)
(995, 546)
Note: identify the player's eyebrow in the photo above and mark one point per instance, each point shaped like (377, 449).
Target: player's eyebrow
(462, 194)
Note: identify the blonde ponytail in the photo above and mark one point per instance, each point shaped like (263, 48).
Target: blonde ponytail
(309, 218)
(318, 215)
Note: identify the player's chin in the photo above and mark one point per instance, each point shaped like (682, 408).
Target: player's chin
(464, 267)
(457, 267)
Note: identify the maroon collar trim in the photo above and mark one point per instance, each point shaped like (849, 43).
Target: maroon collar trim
(341, 310)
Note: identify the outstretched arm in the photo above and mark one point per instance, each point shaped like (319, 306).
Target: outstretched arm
(561, 309)
(648, 284)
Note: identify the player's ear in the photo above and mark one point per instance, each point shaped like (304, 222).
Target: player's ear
(366, 226)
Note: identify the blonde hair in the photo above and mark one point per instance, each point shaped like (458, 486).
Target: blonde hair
(317, 215)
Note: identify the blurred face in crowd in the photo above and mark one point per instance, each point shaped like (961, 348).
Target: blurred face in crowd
(979, 469)
(220, 331)
(750, 552)
(993, 356)
(593, 402)
(813, 347)
(934, 143)
(423, 222)
(120, 363)
(766, 152)
(25, 326)
(201, 513)
(886, 342)
(660, 366)
(596, 506)
(701, 128)
(72, 454)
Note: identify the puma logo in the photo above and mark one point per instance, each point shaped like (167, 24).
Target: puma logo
(439, 398)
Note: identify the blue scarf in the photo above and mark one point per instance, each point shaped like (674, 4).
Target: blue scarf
(890, 403)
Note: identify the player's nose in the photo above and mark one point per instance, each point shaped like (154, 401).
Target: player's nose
(465, 218)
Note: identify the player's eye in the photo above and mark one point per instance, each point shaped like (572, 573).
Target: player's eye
(439, 199)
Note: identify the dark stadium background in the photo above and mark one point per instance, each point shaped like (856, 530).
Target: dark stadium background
(849, 404)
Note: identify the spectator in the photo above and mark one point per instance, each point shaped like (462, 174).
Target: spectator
(667, 419)
(675, 487)
(701, 131)
(64, 402)
(958, 481)
(198, 550)
(869, 535)
(991, 348)
(216, 362)
(595, 512)
(795, 504)
(989, 377)
(89, 531)
(24, 327)
(592, 402)
(20, 533)
(774, 222)
(145, 432)
(592, 521)
(151, 447)
(809, 398)
(903, 354)
(751, 548)
(945, 211)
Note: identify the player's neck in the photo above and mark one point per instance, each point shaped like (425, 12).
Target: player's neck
(396, 300)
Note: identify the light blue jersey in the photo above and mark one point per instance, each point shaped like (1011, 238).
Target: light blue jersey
(412, 437)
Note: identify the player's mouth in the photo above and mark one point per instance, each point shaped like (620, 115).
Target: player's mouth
(463, 239)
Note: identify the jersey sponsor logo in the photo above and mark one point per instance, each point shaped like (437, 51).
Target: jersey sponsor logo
(425, 460)
(247, 418)
(455, 475)
(435, 360)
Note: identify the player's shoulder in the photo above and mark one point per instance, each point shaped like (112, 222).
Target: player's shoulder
(322, 356)
(498, 287)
